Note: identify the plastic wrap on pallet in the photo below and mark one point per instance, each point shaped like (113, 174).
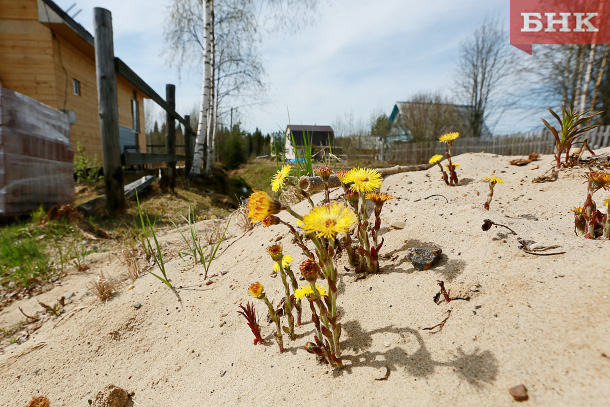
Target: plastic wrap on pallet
(36, 157)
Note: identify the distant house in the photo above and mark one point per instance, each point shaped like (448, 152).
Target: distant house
(417, 121)
(318, 136)
(46, 55)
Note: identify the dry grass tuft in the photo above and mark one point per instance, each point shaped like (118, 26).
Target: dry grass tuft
(102, 288)
(243, 221)
(129, 258)
(291, 196)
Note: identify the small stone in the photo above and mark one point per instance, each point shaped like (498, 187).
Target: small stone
(208, 282)
(398, 225)
(387, 344)
(69, 295)
(137, 305)
(224, 272)
(519, 393)
(423, 259)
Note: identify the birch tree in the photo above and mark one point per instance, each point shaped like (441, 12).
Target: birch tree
(226, 37)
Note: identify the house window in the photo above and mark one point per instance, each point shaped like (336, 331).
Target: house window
(135, 115)
(76, 87)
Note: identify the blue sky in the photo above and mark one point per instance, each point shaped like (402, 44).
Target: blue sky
(360, 57)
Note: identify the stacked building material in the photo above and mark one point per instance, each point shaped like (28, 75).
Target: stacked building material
(36, 157)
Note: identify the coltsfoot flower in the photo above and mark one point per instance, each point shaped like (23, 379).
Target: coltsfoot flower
(324, 172)
(455, 165)
(328, 220)
(492, 180)
(306, 290)
(435, 158)
(275, 251)
(310, 270)
(271, 220)
(280, 178)
(364, 179)
(257, 290)
(260, 205)
(378, 198)
(286, 261)
(577, 210)
(342, 174)
(449, 137)
(598, 180)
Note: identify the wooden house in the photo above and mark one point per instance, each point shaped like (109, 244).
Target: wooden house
(49, 57)
(318, 136)
(418, 121)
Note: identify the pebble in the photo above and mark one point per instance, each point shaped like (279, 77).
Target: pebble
(137, 305)
(387, 344)
(519, 393)
(423, 259)
(69, 295)
(398, 225)
(224, 272)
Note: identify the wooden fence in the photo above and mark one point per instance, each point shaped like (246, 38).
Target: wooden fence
(541, 142)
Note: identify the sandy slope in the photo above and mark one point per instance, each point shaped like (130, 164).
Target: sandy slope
(538, 320)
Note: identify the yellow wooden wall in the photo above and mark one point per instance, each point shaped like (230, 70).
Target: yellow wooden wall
(41, 63)
(26, 52)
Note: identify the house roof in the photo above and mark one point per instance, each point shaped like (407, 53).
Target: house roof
(80, 30)
(320, 135)
(298, 127)
(462, 110)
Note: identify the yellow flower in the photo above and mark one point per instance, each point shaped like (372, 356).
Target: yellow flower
(328, 220)
(435, 158)
(260, 206)
(256, 290)
(577, 210)
(493, 180)
(341, 175)
(378, 197)
(278, 179)
(607, 201)
(286, 260)
(449, 137)
(599, 179)
(364, 179)
(306, 290)
(455, 165)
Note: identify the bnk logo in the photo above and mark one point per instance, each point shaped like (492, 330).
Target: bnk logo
(559, 22)
(568, 22)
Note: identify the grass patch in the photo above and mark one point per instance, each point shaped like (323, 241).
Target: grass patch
(256, 176)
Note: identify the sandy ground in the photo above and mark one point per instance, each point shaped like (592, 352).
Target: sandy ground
(541, 321)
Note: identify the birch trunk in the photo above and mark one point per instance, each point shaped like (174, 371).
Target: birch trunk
(578, 76)
(585, 85)
(202, 128)
(600, 75)
(211, 128)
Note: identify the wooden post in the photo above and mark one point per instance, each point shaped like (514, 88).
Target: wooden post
(170, 140)
(108, 109)
(188, 146)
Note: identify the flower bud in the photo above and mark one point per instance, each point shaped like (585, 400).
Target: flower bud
(310, 270)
